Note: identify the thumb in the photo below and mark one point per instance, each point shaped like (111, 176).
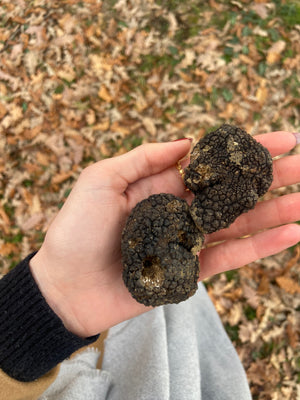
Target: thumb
(143, 161)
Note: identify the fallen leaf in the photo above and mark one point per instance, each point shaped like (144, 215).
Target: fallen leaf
(67, 73)
(260, 9)
(3, 110)
(245, 331)
(288, 284)
(235, 314)
(8, 248)
(228, 112)
(102, 126)
(123, 130)
(149, 125)
(31, 60)
(262, 93)
(90, 117)
(103, 93)
(5, 219)
(251, 296)
(274, 52)
(293, 261)
(264, 286)
(292, 335)
(42, 158)
(61, 177)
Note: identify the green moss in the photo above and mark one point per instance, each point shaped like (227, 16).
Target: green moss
(9, 210)
(231, 275)
(256, 116)
(59, 89)
(246, 31)
(261, 69)
(198, 99)
(167, 61)
(219, 20)
(14, 238)
(227, 94)
(289, 12)
(132, 141)
(293, 83)
(24, 106)
(229, 53)
(232, 332)
(250, 313)
(27, 183)
(250, 17)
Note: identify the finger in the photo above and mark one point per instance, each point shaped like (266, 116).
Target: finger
(238, 252)
(277, 142)
(168, 181)
(266, 214)
(286, 171)
(144, 161)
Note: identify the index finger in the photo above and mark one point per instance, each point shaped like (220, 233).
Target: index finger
(277, 143)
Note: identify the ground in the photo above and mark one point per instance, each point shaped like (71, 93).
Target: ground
(81, 81)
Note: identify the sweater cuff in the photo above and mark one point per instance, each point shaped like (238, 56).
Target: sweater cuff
(33, 339)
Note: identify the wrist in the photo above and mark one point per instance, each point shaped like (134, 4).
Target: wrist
(56, 298)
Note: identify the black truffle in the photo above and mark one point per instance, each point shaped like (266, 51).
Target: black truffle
(159, 246)
(228, 172)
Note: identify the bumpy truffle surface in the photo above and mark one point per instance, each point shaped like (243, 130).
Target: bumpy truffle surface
(159, 246)
(228, 172)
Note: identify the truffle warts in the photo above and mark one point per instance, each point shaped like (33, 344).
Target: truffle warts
(159, 247)
(228, 172)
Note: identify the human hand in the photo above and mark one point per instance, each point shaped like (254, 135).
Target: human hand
(78, 267)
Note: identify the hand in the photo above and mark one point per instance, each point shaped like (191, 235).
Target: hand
(78, 267)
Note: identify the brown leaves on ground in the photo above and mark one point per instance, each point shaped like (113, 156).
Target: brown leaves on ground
(82, 81)
(259, 306)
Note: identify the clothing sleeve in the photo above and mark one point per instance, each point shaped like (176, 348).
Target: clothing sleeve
(33, 339)
(11, 389)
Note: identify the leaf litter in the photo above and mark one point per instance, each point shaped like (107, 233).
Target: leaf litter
(83, 81)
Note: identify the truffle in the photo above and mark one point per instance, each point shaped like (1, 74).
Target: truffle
(228, 172)
(159, 246)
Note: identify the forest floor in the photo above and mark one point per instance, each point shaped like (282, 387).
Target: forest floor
(81, 81)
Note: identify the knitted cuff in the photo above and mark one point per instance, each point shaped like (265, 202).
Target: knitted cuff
(33, 338)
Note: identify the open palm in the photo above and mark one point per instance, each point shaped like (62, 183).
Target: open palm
(79, 268)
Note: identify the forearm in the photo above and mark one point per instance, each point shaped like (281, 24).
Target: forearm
(33, 339)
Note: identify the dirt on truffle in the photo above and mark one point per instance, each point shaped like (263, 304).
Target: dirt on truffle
(228, 172)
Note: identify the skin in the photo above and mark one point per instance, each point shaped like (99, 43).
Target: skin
(78, 268)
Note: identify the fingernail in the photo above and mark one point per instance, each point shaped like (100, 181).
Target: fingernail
(184, 138)
(297, 136)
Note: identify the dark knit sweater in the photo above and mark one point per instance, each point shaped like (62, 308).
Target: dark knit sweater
(33, 339)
